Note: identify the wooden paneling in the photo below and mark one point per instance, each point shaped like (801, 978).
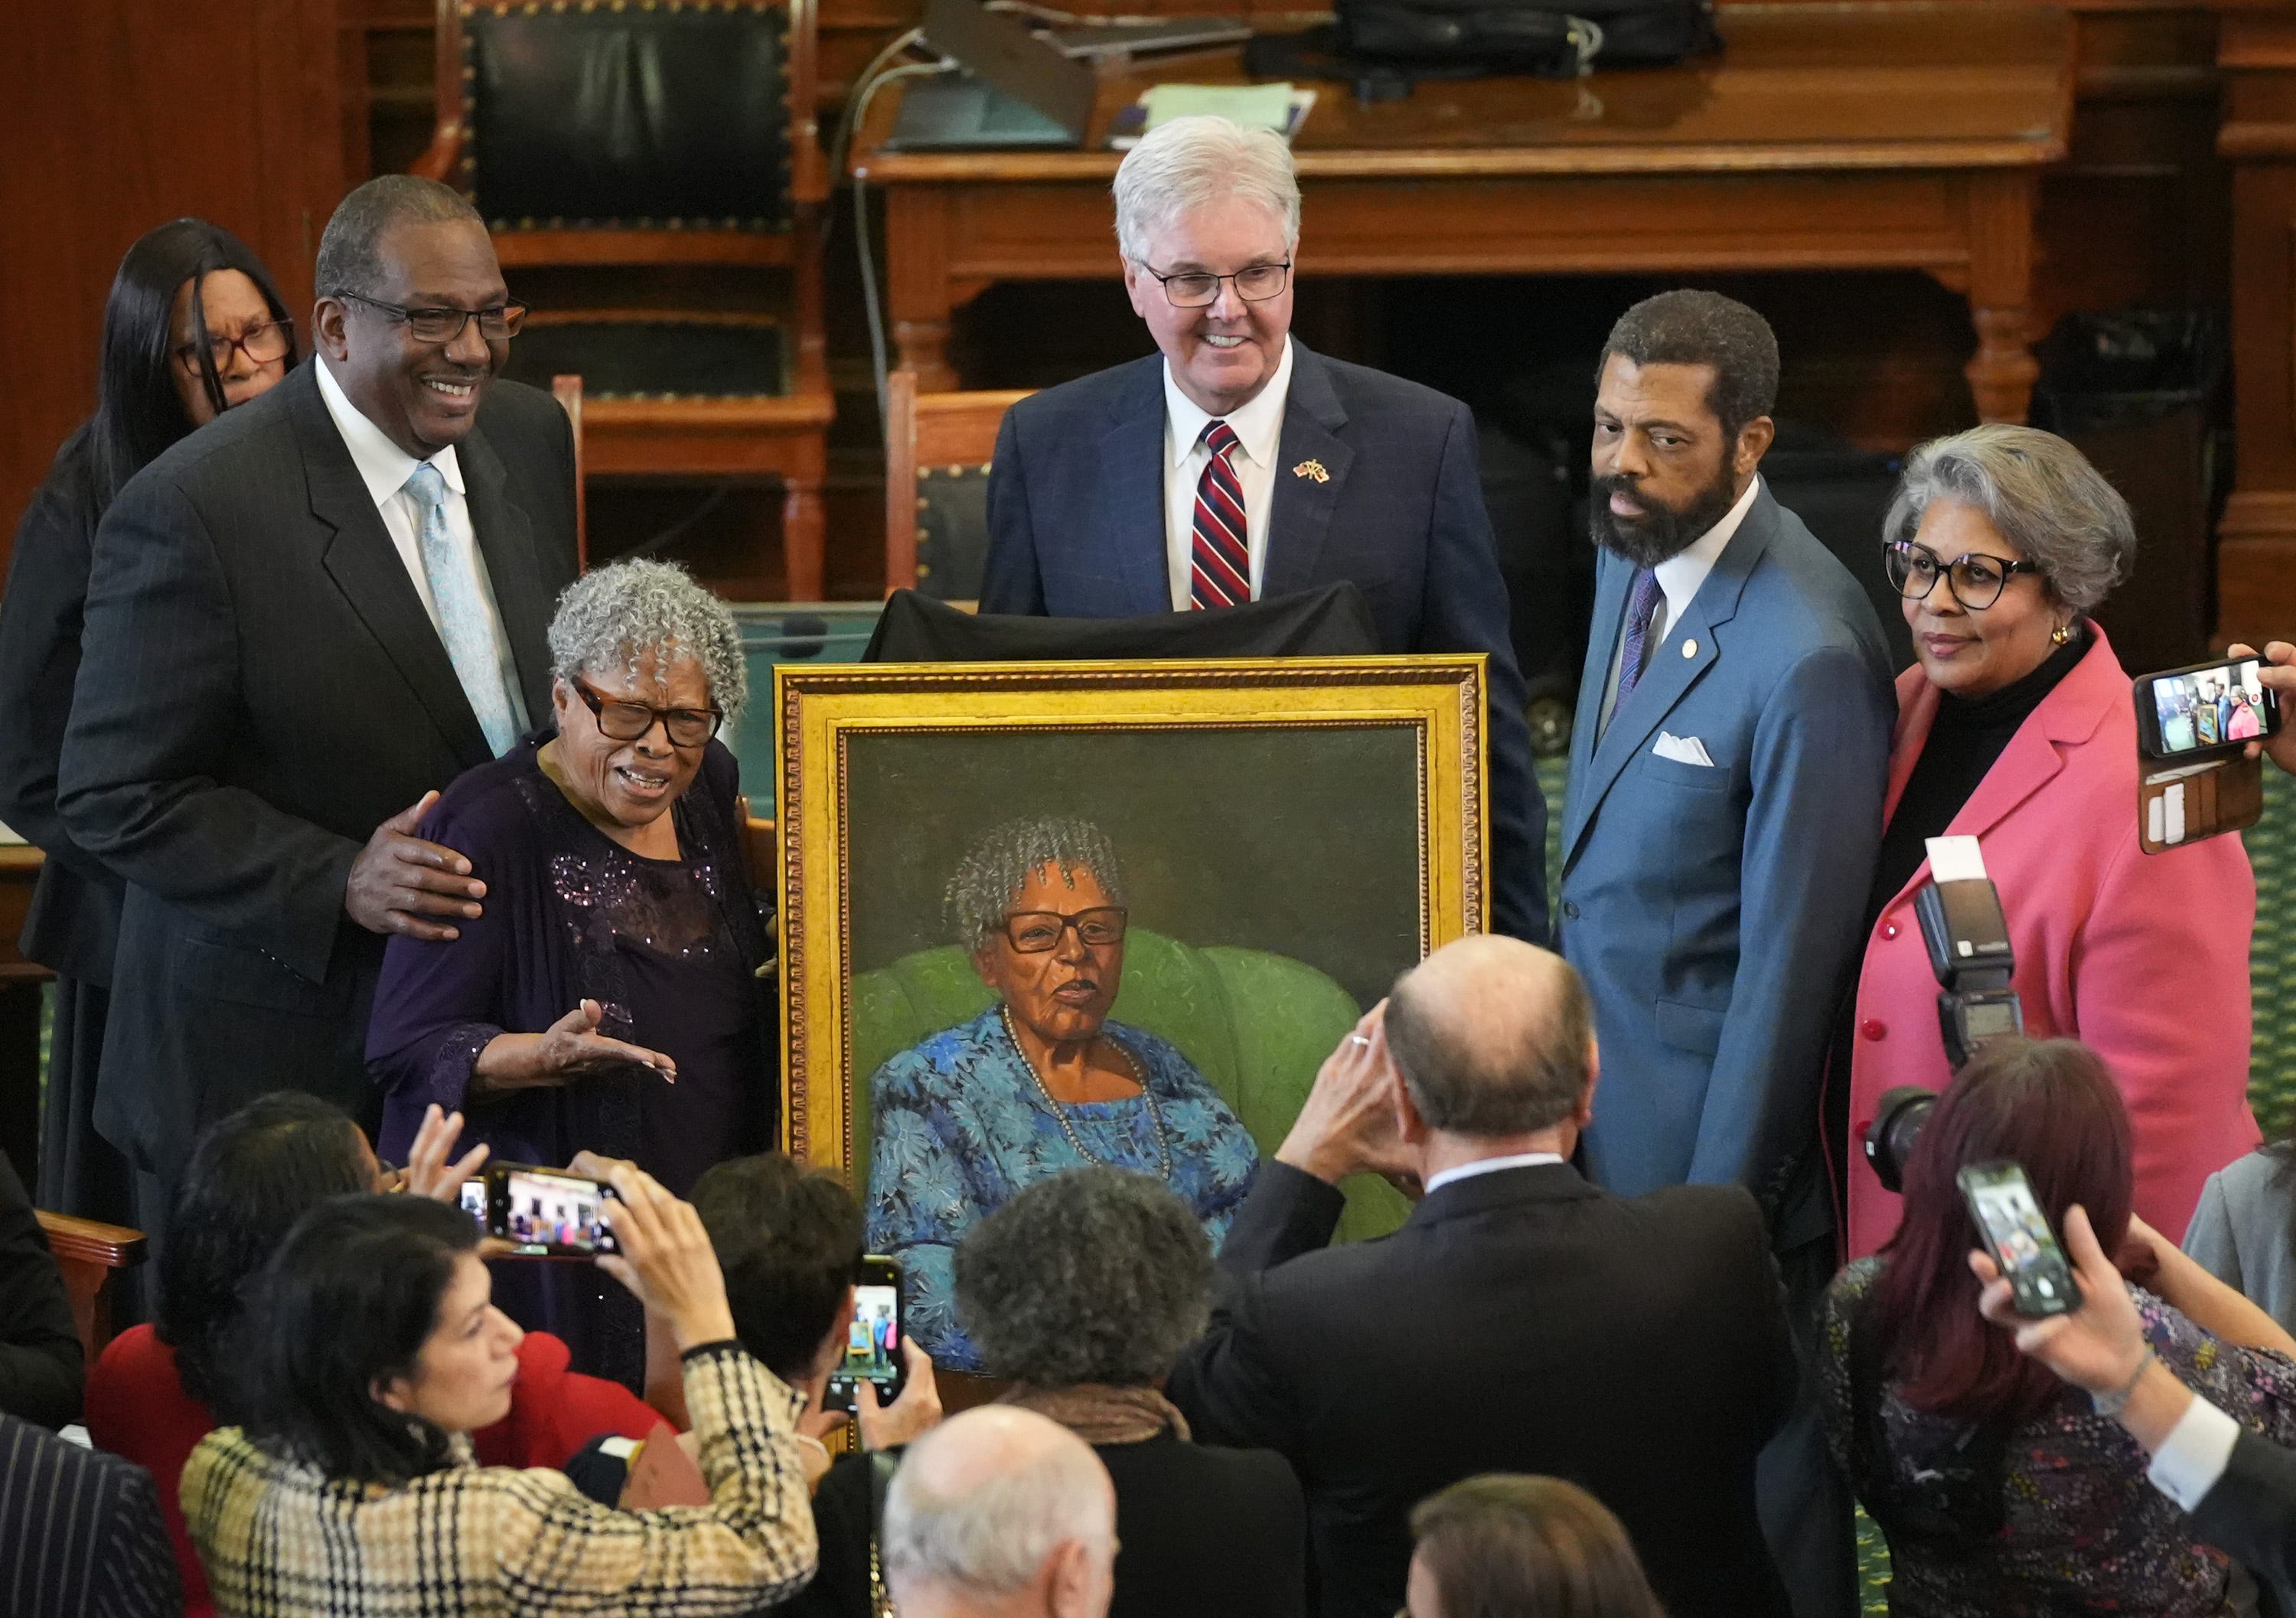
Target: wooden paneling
(118, 115)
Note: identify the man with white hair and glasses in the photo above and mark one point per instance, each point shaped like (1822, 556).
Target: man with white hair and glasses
(1239, 464)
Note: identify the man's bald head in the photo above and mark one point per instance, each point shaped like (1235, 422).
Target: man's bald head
(986, 1503)
(1492, 1037)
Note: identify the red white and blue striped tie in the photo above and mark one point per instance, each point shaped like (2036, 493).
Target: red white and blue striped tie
(1221, 563)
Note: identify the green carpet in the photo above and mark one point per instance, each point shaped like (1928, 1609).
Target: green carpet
(2272, 1063)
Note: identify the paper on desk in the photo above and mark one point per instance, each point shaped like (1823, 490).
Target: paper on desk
(1261, 106)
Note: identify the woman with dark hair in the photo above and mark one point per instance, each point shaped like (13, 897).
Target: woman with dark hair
(1999, 1489)
(1502, 1545)
(375, 1352)
(158, 1391)
(193, 326)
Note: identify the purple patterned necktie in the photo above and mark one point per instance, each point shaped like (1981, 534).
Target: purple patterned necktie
(1639, 609)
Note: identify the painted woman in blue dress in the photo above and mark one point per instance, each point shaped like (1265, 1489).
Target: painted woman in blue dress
(1042, 1081)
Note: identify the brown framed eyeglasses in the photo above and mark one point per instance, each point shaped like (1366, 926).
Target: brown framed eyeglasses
(263, 345)
(620, 720)
(1035, 931)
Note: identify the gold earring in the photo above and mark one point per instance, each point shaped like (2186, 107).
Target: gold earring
(2060, 634)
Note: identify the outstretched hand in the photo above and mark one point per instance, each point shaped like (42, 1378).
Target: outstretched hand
(562, 1053)
(1348, 1125)
(432, 1168)
(2098, 1346)
(398, 881)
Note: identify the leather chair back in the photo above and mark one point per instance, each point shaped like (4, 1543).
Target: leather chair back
(599, 116)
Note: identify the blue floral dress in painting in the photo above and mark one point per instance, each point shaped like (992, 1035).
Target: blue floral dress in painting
(962, 1125)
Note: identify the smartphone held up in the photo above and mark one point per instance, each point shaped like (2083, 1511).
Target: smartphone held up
(549, 1213)
(872, 1342)
(2017, 1233)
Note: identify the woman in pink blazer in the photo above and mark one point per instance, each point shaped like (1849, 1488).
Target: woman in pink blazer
(2016, 727)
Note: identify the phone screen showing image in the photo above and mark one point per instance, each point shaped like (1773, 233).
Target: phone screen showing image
(2017, 1233)
(873, 1342)
(553, 1213)
(474, 1199)
(2201, 708)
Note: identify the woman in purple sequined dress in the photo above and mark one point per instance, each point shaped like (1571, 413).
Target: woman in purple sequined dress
(608, 999)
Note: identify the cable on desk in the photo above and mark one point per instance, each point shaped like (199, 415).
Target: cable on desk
(864, 93)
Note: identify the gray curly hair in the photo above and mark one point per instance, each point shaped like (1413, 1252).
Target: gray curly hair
(626, 610)
(1095, 1276)
(990, 876)
(2039, 491)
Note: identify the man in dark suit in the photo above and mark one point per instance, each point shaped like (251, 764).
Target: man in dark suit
(1237, 464)
(302, 620)
(80, 1531)
(1521, 1320)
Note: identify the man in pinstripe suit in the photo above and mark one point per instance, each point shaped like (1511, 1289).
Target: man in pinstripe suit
(301, 620)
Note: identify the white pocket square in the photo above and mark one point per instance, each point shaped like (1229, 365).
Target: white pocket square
(1681, 749)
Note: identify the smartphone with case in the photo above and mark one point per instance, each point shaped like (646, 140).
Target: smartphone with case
(2184, 715)
(2017, 1233)
(548, 1213)
(872, 1342)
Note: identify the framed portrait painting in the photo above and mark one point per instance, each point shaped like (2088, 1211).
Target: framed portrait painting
(1037, 916)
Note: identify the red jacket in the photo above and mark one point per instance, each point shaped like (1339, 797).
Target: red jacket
(137, 1408)
(2142, 956)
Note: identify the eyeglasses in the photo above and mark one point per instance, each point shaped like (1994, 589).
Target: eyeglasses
(1192, 289)
(1035, 931)
(621, 722)
(263, 345)
(439, 327)
(1976, 581)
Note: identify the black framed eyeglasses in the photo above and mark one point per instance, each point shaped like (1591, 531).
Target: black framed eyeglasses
(625, 721)
(263, 345)
(1035, 931)
(1974, 581)
(438, 327)
(1194, 289)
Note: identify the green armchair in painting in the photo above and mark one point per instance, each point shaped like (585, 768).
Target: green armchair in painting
(1255, 1024)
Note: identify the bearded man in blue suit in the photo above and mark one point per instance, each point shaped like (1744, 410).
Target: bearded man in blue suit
(1728, 767)
(1238, 464)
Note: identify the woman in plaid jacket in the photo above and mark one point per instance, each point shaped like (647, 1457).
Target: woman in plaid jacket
(375, 1352)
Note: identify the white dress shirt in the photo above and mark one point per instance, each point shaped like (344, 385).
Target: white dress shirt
(1259, 427)
(1678, 579)
(1488, 1165)
(384, 468)
(2195, 1453)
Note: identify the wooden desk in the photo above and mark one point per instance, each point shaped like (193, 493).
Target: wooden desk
(1852, 137)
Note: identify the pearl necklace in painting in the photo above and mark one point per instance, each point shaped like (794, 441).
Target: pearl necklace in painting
(1061, 1114)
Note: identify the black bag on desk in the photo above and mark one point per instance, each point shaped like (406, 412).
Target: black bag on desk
(1496, 36)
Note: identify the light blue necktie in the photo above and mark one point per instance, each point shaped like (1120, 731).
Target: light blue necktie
(462, 613)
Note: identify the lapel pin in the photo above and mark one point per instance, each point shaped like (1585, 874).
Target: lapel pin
(1312, 468)
(1690, 648)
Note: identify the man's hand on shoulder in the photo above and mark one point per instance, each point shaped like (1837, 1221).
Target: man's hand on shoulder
(1348, 1125)
(398, 880)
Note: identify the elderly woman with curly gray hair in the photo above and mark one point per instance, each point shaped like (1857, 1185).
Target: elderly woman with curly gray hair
(1081, 1291)
(2016, 729)
(1040, 1082)
(607, 1000)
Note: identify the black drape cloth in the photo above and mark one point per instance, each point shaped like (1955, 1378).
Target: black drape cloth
(1334, 621)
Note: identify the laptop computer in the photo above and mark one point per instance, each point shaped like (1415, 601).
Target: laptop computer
(1016, 92)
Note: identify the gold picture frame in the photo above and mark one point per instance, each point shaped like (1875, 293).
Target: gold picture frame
(825, 715)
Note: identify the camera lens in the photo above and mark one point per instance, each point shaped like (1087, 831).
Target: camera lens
(1897, 1124)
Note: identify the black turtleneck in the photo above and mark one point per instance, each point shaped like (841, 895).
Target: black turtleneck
(1964, 742)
